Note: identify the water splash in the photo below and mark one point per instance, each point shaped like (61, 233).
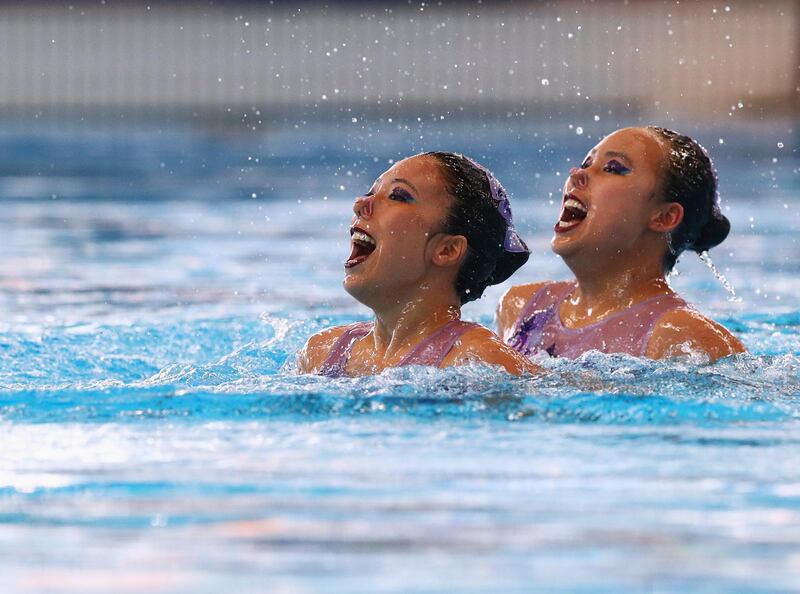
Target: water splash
(720, 277)
(674, 273)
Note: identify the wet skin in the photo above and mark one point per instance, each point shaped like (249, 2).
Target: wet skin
(403, 212)
(617, 183)
(612, 233)
(403, 267)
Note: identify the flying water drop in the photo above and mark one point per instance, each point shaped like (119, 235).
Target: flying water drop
(720, 277)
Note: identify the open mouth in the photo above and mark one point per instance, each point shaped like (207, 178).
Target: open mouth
(362, 245)
(573, 212)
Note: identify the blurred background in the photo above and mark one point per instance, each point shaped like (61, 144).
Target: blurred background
(254, 61)
(171, 150)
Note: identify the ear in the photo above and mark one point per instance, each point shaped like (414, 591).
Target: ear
(449, 250)
(667, 217)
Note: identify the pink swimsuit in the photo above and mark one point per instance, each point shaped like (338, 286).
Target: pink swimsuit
(539, 327)
(430, 351)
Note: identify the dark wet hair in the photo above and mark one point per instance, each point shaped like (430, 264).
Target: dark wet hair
(691, 180)
(474, 215)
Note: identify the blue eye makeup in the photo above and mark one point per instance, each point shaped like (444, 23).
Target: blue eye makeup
(401, 195)
(614, 166)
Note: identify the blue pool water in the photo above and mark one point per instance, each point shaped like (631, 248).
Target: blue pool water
(155, 283)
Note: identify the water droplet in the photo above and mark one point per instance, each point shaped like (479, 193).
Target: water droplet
(720, 277)
(545, 82)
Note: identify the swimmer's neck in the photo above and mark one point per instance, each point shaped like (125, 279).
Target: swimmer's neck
(618, 287)
(405, 324)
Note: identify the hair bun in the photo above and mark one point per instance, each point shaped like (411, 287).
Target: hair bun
(507, 265)
(713, 233)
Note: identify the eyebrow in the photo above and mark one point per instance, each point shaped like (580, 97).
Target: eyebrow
(619, 155)
(406, 182)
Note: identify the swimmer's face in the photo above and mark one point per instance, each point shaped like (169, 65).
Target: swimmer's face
(609, 201)
(392, 229)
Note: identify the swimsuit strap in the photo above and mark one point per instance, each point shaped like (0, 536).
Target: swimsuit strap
(433, 350)
(545, 298)
(337, 358)
(626, 331)
(430, 352)
(656, 307)
(537, 314)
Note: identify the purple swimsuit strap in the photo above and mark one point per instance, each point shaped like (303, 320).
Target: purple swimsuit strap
(337, 358)
(536, 315)
(431, 351)
(628, 330)
(548, 295)
(655, 306)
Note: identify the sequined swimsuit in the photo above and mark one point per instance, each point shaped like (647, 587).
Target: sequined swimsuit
(539, 326)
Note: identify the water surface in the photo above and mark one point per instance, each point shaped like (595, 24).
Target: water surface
(155, 284)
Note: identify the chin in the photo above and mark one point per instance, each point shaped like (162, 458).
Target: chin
(562, 246)
(360, 290)
(352, 285)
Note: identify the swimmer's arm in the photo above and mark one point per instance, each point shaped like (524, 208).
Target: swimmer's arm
(511, 305)
(481, 345)
(313, 354)
(685, 330)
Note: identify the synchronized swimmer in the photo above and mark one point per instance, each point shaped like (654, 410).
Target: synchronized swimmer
(640, 198)
(436, 229)
(431, 234)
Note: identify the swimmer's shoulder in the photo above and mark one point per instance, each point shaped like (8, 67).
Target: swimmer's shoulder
(685, 329)
(313, 354)
(481, 345)
(511, 305)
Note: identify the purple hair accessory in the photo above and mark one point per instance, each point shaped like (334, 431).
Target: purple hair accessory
(512, 242)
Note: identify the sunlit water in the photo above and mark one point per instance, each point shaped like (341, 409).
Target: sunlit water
(155, 285)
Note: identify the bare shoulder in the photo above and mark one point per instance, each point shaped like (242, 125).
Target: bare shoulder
(311, 357)
(482, 345)
(511, 305)
(686, 329)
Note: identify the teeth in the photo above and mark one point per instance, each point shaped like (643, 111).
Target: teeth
(362, 238)
(572, 203)
(563, 224)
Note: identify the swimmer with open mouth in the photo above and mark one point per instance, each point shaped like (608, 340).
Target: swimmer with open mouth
(430, 235)
(640, 198)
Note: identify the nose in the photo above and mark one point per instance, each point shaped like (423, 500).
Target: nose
(363, 206)
(579, 177)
